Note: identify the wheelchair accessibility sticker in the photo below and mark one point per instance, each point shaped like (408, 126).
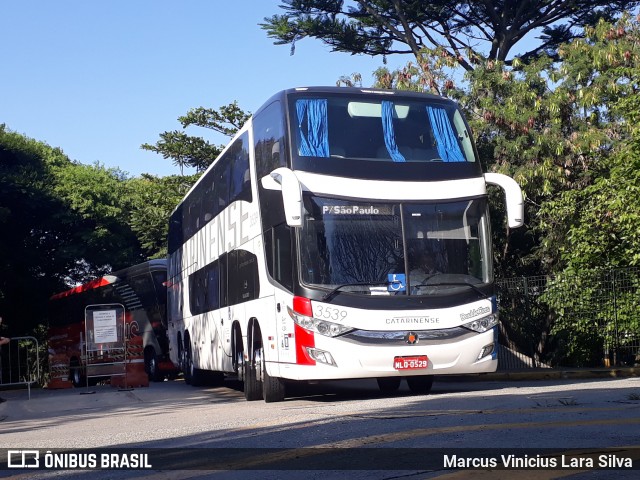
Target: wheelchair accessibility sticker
(397, 282)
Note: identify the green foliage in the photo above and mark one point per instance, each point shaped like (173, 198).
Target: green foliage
(185, 150)
(97, 203)
(568, 133)
(37, 361)
(596, 316)
(196, 152)
(28, 244)
(61, 223)
(464, 29)
(65, 223)
(152, 198)
(587, 216)
(431, 73)
(227, 120)
(599, 221)
(152, 201)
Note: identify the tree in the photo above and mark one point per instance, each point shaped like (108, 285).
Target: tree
(27, 209)
(570, 134)
(61, 223)
(152, 201)
(153, 198)
(557, 128)
(196, 152)
(465, 30)
(96, 205)
(608, 61)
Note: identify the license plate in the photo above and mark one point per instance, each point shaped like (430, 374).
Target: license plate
(410, 363)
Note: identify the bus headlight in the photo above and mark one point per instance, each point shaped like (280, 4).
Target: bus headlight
(483, 324)
(323, 327)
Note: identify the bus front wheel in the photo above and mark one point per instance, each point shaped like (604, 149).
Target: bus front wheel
(273, 388)
(258, 384)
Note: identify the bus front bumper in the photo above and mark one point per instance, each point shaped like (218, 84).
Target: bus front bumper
(336, 359)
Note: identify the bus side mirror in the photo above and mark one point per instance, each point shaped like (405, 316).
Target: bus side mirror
(286, 181)
(513, 196)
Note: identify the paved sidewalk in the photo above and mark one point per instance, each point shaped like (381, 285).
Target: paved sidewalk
(103, 397)
(563, 373)
(45, 403)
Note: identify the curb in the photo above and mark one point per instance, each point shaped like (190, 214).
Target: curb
(553, 374)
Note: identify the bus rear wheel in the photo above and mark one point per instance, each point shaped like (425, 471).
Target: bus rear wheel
(421, 384)
(151, 365)
(192, 375)
(76, 374)
(238, 354)
(252, 384)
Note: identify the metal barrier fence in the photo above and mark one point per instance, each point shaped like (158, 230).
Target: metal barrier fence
(20, 362)
(591, 319)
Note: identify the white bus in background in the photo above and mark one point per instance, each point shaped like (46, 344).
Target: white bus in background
(342, 234)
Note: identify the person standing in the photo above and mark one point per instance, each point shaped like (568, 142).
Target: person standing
(3, 341)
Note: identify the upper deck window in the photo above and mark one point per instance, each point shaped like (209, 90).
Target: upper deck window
(394, 130)
(313, 138)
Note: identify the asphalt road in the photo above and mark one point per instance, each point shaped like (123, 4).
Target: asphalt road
(355, 431)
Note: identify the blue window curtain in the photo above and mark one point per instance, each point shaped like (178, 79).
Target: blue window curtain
(314, 139)
(388, 133)
(446, 140)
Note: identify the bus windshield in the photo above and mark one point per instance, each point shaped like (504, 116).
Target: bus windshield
(395, 248)
(382, 128)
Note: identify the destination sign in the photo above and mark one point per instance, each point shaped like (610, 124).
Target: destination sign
(357, 210)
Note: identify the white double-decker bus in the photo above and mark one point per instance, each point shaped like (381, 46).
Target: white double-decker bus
(342, 234)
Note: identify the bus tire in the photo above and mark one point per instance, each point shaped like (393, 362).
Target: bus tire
(388, 384)
(76, 376)
(252, 381)
(238, 353)
(252, 386)
(421, 384)
(197, 376)
(273, 388)
(192, 376)
(151, 365)
(184, 366)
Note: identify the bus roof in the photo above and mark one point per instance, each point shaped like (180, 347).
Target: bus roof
(156, 264)
(349, 91)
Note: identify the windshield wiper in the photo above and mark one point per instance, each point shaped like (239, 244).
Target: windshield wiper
(329, 295)
(451, 284)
